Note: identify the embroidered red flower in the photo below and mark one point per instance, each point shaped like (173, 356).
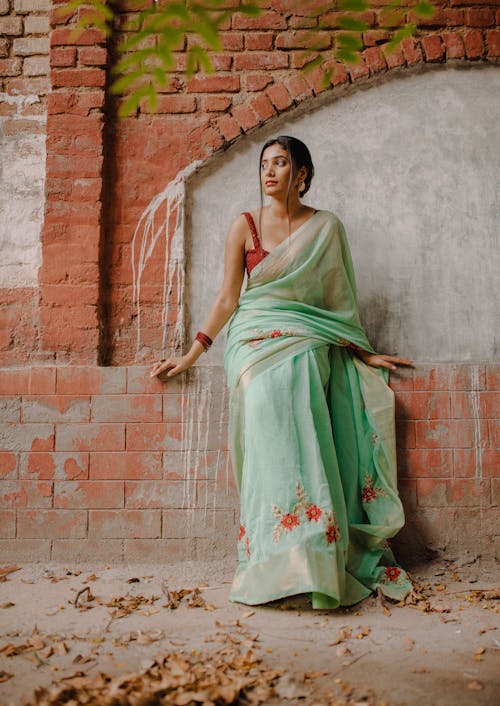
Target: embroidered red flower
(331, 534)
(241, 532)
(276, 333)
(247, 546)
(368, 494)
(289, 521)
(392, 573)
(313, 513)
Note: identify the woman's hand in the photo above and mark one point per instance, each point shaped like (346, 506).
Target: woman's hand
(176, 365)
(378, 360)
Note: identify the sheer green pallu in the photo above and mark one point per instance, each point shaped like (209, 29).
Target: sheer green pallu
(311, 428)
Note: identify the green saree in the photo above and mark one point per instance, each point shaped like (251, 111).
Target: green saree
(311, 431)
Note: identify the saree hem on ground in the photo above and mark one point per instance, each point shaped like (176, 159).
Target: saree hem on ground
(311, 431)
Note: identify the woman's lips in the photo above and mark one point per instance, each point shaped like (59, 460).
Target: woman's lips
(268, 183)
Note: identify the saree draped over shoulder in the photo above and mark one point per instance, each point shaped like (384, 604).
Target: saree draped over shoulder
(311, 427)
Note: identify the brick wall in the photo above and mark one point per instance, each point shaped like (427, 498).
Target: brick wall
(93, 453)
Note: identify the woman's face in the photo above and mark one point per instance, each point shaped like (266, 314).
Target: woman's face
(275, 169)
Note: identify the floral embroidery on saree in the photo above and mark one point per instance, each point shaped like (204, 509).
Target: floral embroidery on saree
(258, 335)
(349, 344)
(392, 574)
(243, 535)
(370, 492)
(302, 512)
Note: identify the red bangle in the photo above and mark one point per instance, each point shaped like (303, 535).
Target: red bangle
(205, 340)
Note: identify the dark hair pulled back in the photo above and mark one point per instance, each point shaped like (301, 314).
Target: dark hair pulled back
(299, 156)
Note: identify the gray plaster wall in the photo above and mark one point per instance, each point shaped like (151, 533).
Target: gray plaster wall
(411, 167)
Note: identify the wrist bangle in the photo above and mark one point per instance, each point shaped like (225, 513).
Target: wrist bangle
(205, 340)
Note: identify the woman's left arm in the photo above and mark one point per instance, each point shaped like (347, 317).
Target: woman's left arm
(377, 360)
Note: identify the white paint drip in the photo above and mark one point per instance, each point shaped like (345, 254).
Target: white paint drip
(478, 440)
(150, 229)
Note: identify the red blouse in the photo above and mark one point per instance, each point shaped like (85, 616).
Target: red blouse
(257, 253)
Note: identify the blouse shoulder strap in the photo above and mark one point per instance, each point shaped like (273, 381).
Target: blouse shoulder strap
(253, 229)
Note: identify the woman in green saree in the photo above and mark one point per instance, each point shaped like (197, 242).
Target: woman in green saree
(311, 427)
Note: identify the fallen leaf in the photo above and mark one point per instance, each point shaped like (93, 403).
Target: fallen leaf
(475, 685)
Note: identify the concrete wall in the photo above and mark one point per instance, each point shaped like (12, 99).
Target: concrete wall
(411, 168)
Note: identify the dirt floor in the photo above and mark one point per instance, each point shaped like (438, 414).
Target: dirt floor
(112, 635)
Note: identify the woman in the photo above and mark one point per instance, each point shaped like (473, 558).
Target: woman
(311, 414)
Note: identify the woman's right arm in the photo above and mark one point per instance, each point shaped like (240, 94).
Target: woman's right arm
(225, 302)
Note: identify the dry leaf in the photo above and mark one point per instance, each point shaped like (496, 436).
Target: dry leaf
(475, 685)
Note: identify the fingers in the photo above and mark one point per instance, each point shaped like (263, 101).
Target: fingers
(160, 366)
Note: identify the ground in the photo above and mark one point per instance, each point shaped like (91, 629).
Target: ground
(439, 649)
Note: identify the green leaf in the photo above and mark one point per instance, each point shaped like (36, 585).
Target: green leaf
(160, 76)
(347, 56)
(351, 42)
(398, 36)
(313, 64)
(352, 23)
(121, 84)
(152, 98)
(132, 103)
(208, 34)
(354, 5)
(198, 57)
(424, 9)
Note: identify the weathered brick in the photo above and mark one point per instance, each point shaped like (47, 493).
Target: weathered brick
(172, 104)
(66, 35)
(405, 434)
(259, 41)
(411, 50)
(372, 37)
(332, 20)
(26, 437)
(279, 97)
(493, 42)
(93, 56)
(442, 17)
(11, 67)
(375, 59)
(245, 117)
(454, 45)
(257, 82)
(23, 7)
(262, 107)
(263, 61)
(232, 41)
(484, 405)
(179, 465)
(93, 78)
(22, 493)
(493, 376)
(36, 66)
(4, 7)
(90, 380)
(155, 550)
(130, 465)
(10, 409)
(266, 20)
(359, 70)
(36, 24)
(55, 408)
(11, 25)
(26, 381)
(115, 524)
(4, 50)
(433, 47)
(214, 84)
(51, 523)
(303, 39)
(89, 494)
(394, 58)
(88, 550)
(45, 465)
(298, 87)
(32, 550)
(229, 127)
(178, 524)
(126, 408)
(63, 56)
(445, 433)
(8, 465)
(26, 46)
(90, 437)
(479, 17)
(426, 463)
(474, 45)
(423, 405)
(7, 525)
(450, 493)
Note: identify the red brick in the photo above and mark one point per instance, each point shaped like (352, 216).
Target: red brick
(300, 59)
(303, 39)
(215, 104)
(257, 82)
(24, 493)
(485, 405)
(442, 17)
(401, 379)
(75, 551)
(8, 465)
(450, 493)
(266, 20)
(444, 433)
(433, 47)
(411, 50)
(359, 70)
(179, 465)
(4, 48)
(279, 96)
(259, 41)
(90, 380)
(426, 463)
(228, 127)
(375, 59)
(317, 79)
(39, 86)
(214, 84)
(422, 405)
(394, 58)
(7, 525)
(245, 117)
(302, 22)
(372, 37)
(493, 42)
(474, 45)
(198, 523)
(89, 494)
(56, 408)
(154, 437)
(75, 103)
(258, 61)
(339, 72)
(51, 523)
(93, 56)
(130, 465)
(405, 434)
(298, 87)
(40, 465)
(172, 104)
(124, 523)
(10, 67)
(262, 107)
(331, 20)
(64, 36)
(390, 17)
(160, 494)
(78, 77)
(26, 437)
(139, 381)
(479, 17)
(454, 45)
(126, 408)
(493, 376)
(90, 437)
(232, 41)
